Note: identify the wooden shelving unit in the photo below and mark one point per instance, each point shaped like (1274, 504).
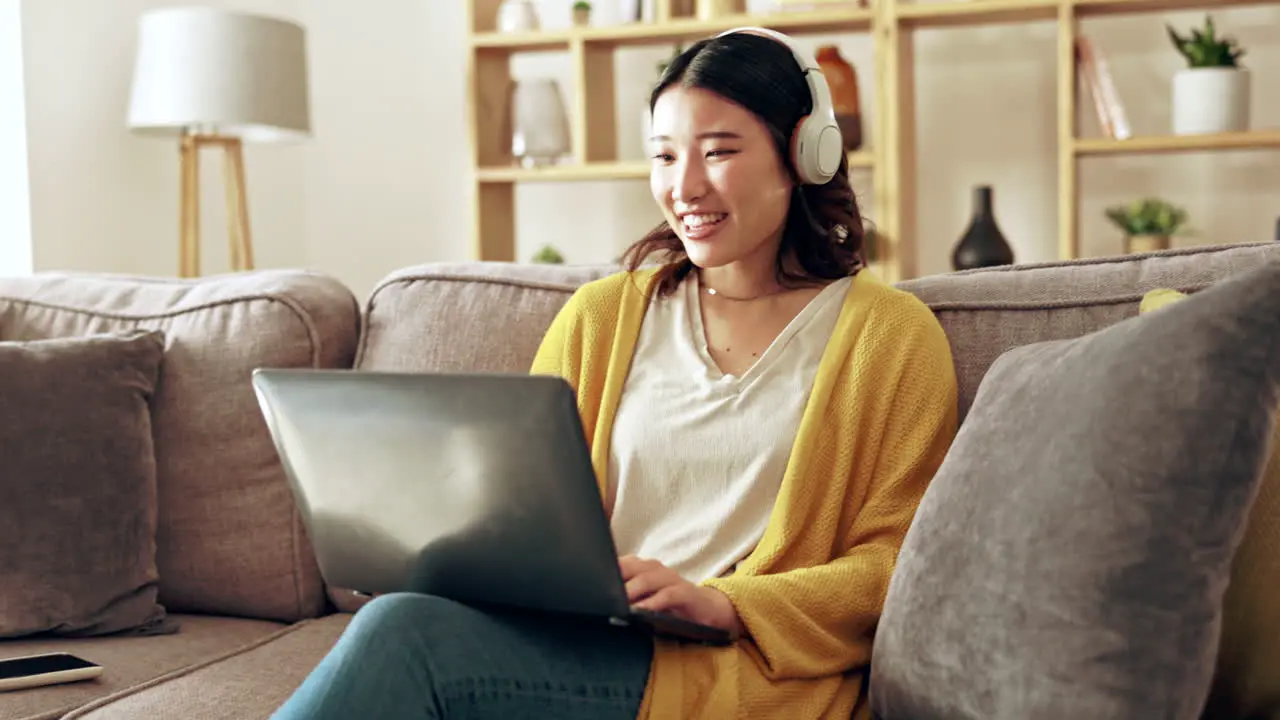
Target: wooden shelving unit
(890, 133)
(1255, 140)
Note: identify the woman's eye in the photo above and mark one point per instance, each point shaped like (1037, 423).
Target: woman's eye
(721, 153)
(664, 157)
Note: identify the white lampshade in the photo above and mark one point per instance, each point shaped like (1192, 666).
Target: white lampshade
(220, 72)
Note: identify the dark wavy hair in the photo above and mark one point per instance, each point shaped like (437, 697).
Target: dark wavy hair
(823, 233)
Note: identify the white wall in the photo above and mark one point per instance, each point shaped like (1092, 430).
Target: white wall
(15, 198)
(385, 181)
(389, 170)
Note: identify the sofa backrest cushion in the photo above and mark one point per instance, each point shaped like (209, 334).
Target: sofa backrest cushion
(229, 540)
(987, 312)
(491, 316)
(486, 317)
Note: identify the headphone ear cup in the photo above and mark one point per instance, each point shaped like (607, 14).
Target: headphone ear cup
(817, 148)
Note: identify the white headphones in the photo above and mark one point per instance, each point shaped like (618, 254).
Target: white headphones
(816, 144)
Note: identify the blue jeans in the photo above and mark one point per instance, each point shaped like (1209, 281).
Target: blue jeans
(419, 656)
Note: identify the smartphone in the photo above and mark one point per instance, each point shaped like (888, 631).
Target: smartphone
(51, 669)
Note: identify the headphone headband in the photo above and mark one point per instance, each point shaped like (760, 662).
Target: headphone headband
(816, 144)
(806, 62)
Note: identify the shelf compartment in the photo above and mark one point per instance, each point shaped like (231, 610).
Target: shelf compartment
(962, 13)
(1098, 8)
(602, 171)
(833, 20)
(1156, 144)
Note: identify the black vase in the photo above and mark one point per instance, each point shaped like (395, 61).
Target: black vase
(983, 245)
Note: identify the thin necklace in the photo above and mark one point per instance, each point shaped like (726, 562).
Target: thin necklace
(713, 291)
(717, 293)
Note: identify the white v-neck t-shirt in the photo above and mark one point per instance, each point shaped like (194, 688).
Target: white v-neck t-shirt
(697, 456)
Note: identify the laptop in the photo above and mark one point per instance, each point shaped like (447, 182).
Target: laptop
(474, 487)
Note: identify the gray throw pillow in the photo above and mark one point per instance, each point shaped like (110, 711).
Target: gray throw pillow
(1070, 558)
(78, 486)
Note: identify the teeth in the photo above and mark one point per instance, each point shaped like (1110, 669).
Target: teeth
(706, 219)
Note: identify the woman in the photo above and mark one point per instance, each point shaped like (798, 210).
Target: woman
(763, 419)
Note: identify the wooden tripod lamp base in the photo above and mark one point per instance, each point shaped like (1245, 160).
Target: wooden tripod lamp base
(218, 77)
(239, 239)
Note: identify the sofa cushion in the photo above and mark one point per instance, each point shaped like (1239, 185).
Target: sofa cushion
(1247, 679)
(229, 539)
(247, 684)
(1070, 557)
(127, 662)
(989, 311)
(78, 488)
(487, 317)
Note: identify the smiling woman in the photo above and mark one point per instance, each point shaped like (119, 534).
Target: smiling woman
(763, 419)
(15, 196)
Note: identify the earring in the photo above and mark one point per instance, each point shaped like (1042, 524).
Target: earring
(842, 234)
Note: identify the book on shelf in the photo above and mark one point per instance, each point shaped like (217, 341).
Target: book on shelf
(1092, 66)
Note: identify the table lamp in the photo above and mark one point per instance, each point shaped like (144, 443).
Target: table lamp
(218, 78)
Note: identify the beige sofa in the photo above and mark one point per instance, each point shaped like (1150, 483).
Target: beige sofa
(234, 563)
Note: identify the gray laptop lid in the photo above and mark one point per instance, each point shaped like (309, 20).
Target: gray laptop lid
(474, 487)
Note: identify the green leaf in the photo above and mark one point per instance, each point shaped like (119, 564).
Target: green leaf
(1204, 48)
(1147, 217)
(548, 255)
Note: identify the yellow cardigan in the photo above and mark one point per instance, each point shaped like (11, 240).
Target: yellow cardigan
(882, 414)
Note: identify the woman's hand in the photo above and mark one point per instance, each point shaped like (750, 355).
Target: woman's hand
(655, 587)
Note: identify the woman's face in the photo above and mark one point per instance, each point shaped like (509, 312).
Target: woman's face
(718, 178)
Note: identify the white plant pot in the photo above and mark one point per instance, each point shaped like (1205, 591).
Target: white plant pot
(1210, 100)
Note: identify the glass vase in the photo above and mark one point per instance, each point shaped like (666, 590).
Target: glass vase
(539, 122)
(518, 16)
(843, 81)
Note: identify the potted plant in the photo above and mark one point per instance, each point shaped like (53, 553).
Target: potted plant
(1210, 95)
(581, 13)
(548, 255)
(1147, 224)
